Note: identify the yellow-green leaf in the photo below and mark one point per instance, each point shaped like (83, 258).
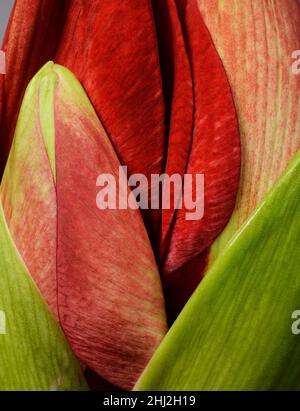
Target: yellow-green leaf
(34, 354)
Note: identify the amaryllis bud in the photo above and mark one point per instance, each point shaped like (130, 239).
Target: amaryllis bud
(94, 267)
(159, 88)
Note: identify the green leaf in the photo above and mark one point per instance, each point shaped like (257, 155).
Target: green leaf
(235, 332)
(34, 354)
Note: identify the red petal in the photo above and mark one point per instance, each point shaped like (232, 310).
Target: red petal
(178, 92)
(109, 295)
(111, 47)
(215, 150)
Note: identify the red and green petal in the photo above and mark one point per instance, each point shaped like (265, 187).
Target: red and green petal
(95, 267)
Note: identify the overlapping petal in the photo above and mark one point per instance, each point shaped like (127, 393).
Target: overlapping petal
(138, 61)
(94, 267)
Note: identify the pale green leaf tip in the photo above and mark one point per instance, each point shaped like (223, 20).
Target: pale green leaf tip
(50, 79)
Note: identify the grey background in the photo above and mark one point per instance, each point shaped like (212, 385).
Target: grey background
(5, 9)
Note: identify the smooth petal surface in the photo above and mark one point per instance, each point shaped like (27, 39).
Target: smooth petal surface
(100, 277)
(34, 354)
(255, 40)
(235, 333)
